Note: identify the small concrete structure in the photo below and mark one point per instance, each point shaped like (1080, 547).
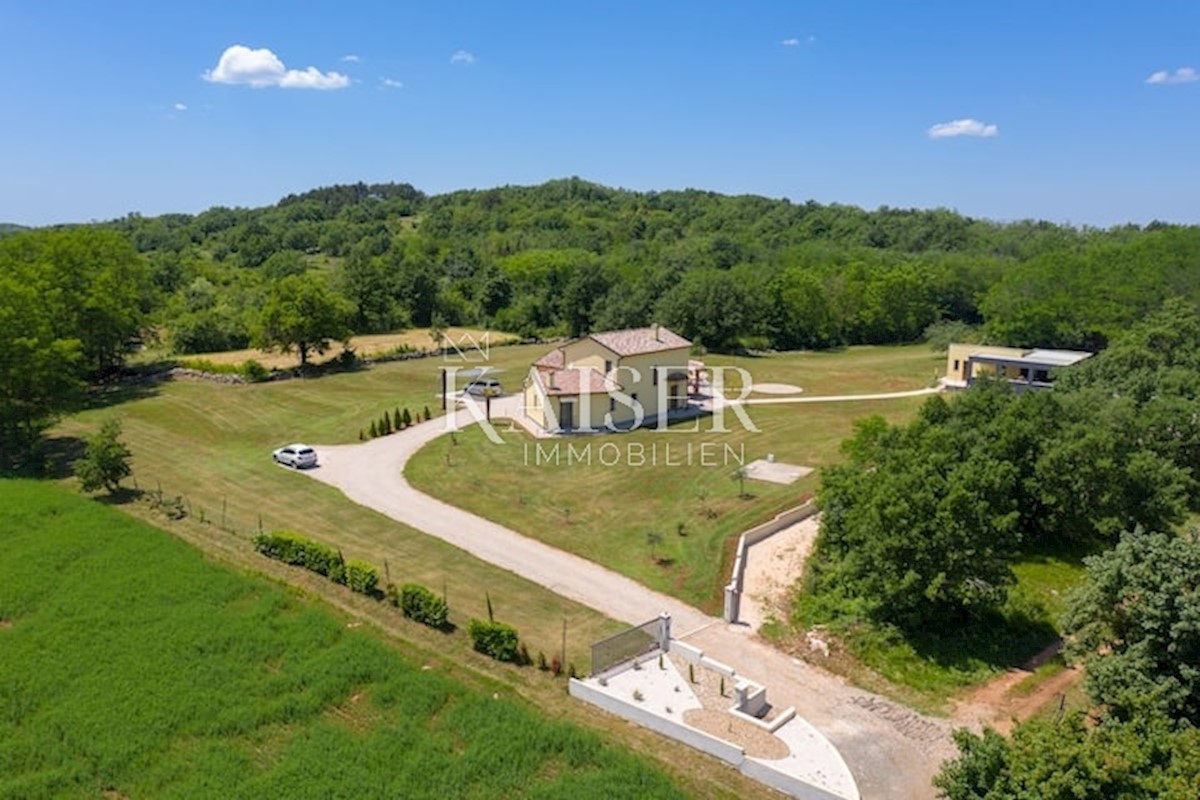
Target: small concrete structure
(651, 691)
(772, 471)
(1022, 368)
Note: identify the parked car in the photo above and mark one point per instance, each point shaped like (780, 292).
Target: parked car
(297, 456)
(484, 387)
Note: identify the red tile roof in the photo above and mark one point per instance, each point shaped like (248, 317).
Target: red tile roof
(635, 341)
(581, 380)
(555, 359)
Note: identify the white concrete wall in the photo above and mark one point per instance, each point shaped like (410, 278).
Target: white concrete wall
(733, 591)
(729, 753)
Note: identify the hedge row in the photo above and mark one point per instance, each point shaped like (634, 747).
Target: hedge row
(495, 639)
(324, 560)
(422, 605)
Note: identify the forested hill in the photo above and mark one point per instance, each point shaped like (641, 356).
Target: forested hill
(568, 256)
(10, 227)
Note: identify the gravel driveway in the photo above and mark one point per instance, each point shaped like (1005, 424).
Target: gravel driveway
(892, 751)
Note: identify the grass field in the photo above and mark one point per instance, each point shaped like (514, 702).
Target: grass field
(210, 443)
(134, 668)
(364, 346)
(854, 370)
(604, 512)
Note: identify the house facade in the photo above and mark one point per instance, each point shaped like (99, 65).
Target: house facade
(1022, 367)
(612, 379)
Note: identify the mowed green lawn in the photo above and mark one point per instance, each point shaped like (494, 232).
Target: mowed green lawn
(871, 369)
(671, 525)
(211, 444)
(132, 667)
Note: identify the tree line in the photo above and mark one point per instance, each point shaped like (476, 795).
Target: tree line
(570, 256)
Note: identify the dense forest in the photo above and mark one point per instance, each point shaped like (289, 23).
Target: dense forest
(569, 256)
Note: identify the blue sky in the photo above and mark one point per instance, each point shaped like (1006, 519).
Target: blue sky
(1074, 112)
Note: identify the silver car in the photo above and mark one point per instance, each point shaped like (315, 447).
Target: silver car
(297, 456)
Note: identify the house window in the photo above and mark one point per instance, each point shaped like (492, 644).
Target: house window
(654, 372)
(607, 367)
(612, 404)
(956, 365)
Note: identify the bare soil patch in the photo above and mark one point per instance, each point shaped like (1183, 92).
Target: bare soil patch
(1000, 704)
(754, 740)
(772, 567)
(5, 623)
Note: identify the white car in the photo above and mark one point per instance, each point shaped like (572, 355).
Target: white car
(484, 387)
(297, 456)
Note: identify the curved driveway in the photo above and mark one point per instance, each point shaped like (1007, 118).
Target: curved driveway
(892, 752)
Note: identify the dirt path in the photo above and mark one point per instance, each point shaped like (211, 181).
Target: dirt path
(996, 704)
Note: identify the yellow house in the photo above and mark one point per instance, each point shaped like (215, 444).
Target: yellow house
(1022, 367)
(609, 380)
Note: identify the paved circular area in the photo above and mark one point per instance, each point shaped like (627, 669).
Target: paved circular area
(777, 388)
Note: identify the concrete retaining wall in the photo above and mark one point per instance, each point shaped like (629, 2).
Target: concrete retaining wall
(733, 590)
(688, 653)
(729, 753)
(792, 787)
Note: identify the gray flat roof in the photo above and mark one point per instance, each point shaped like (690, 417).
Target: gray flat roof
(1038, 358)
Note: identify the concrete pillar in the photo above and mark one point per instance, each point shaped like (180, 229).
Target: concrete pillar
(733, 602)
(664, 631)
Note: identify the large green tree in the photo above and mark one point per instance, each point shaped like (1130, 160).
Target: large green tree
(304, 314)
(91, 284)
(1135, 623)
(39, 373)
(1146, 759)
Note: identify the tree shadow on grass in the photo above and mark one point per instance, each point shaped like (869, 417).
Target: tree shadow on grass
(122, 496)
(999, 640)
(58, 455)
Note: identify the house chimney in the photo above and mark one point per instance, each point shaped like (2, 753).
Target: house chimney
(654, 332)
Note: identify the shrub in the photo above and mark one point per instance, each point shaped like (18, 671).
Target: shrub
(406, 417)
(542, 663)
(556, 666)
(424, 606)
(494, 639)
(254, 371)
(428, 416)
(300, 552)
(361, 577)
(373, 431)
(523, 655)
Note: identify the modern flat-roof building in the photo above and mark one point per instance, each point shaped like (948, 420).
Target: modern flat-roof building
(1024, 368)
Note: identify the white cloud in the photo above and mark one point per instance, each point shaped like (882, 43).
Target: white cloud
(260, 68)
(180, 107)
(962, 127)
(351, 58)
(1181, 75)
(462, 57)
(790, 42)
(388, 83)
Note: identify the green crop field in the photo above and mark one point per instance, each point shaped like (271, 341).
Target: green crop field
(131, 667)
(614, 513)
